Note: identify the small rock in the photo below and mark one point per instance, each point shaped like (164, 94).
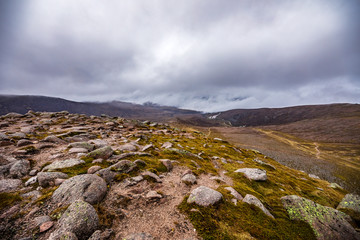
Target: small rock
(189, 179)
(335, 186)
(40, 220)
(46, 179)
(96, 235)
(250, 199)
(13, 115)
(31, 181)
(313, 176)
(253, 173)
(46, 226)
(204, 196)
(124, 166)
(98, 143)
(146, 147)
(53, 139)
(167, 145)
(23, 142)
(350, 202)
(127, 147)
(104, 153)
(78, 150)
(151, 176)
(34, 195)
(234, 193)
(140, 163)
(93, 169)
(63, 164)
(59, 181)
(85, 145)
(167, 163)
(33, 172)
(133, 181)
(153, 195)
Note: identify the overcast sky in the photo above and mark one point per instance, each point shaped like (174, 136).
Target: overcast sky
(207, 55)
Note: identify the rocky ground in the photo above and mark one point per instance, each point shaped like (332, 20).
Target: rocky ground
(71, 176)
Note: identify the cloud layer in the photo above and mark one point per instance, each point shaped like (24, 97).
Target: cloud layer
(206, 54)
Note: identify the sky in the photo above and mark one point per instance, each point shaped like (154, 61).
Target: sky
(207, 55)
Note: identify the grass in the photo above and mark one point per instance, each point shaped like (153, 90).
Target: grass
(8, 199)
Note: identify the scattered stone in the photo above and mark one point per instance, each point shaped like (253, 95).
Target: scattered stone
(167, 163)
(146, 147)
(33, 195)
(153, 195)
(53, 139)
(124, 166)
(104, 153)
(189, 179)
(85, 145)
(127, 147)
(8, 185)
(46, 226)
(335, 186)
(80, 218)
(63, 164)
(33, 172)
(250, 199)
(264, 163)
(99, 160)
(98, 143)
(88, 187)
(204, 196)
(234, 193)
(47, 179)
(78, 150)
(253, 173)
(152, 176)
(19, 169)
(18, 135)
(31, 181)
(313, 176)
(326, 222)
(167, 145)
(93, 169)
(133, 181)
(23, 142)
(139, 236)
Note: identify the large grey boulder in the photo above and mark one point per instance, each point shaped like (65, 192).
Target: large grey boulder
(47, 179)
(80, 218)
(253, 173)
(63, 164)
(104, 153)
(327, 223)
(88, 187)
(204, 196)
(250, 199)
(8, 185)
(19, 169)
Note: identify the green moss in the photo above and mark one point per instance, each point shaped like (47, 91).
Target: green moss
(8, 199)
(57, 213)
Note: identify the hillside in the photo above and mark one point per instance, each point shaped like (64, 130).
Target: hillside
(22, 104)
(71, 176)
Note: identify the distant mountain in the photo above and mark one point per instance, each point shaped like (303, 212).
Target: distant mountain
(22, 104)
(278, 116)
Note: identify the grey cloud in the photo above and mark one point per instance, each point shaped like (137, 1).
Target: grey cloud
(204, 55)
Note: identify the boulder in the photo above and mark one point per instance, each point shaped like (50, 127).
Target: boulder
(204, 196)
(104, 153)
(253, 173)
(250, 199)
(63, 164)
(8, 185)
(46, 179)
(79, 218)
(19, 169)
(326, 222)
(189, 179)
(88, 187)
(85, 145)
(106, 174)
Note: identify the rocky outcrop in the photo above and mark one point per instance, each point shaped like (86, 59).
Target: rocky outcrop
(204, 196)
(326, 222)
(253, 173)
(88, 187)
(80, 219)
